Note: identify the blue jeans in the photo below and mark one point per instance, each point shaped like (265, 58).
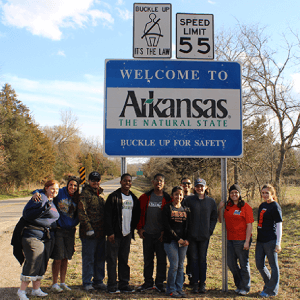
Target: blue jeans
(93, 260)
(176, 257)
(241, 271)
(198, 252)
(271, 280)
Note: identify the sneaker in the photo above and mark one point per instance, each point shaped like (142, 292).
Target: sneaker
(100, 286)
(243, 292)
(182, 294)
(145, 287)
(88, 287)
(56, 288)
(38, 293)
(127, 289)
(65, 287)
(202, 289)
(237, 291)
(160, 288)
(195, 289)
(22, 295)
(174, 295)
(264, 294)
(114, 290)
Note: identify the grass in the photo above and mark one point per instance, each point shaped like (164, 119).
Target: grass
(288, 260)
(16, 194)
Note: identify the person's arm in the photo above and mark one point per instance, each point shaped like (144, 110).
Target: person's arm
(220, 211)
(166, 216)
(213, 218)
(108, 217)
(83, 214)
(141, 223)
(248, 236)
(278, 235)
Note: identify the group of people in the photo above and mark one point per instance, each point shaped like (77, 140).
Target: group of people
(172, 226)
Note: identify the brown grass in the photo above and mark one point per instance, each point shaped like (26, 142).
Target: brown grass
(288, 260)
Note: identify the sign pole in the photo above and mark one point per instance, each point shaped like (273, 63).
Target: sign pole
(224, 236)
(123, 165)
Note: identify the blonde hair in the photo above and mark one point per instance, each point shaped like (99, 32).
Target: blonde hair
(271, 189)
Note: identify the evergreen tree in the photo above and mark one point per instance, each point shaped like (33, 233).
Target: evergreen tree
(28, 152)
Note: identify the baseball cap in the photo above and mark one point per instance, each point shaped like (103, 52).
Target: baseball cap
(200, 181)
(95, 176)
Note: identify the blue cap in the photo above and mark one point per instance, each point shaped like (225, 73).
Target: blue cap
(200, 181)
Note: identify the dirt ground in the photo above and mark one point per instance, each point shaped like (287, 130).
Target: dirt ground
(10, 268)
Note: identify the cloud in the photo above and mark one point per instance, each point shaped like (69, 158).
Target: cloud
(90, 89)
(61, 53)
(47, 98)
(47, 17)
(124, 14)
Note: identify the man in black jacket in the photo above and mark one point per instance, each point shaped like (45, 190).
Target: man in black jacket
(122, 214)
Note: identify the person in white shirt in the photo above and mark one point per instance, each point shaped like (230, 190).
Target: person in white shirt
(122, 214)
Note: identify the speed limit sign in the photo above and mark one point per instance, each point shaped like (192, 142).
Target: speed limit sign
(195, 36)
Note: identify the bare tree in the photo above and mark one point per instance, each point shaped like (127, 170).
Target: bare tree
(265, 88)
(66, 142)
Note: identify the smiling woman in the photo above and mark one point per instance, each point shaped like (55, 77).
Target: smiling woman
(39, 221)
(238, 217)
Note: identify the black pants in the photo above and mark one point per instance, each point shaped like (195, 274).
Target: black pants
(118, 253)
(151, 245)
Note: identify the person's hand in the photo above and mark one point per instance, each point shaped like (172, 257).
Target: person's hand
(111, 239)
(246, 246)
(90, 232)
(36, 197)
(141, 233)
(278, 248)
(222, 204)
(186, 243)
(181, 242)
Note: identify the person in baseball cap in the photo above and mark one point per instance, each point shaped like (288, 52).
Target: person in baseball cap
(94, 176)
(200, 181)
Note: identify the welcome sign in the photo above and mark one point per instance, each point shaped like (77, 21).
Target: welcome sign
(173, 108)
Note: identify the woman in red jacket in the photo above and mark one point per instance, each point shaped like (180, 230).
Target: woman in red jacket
(238, 217)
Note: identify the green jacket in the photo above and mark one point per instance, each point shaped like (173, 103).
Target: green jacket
(91, 212)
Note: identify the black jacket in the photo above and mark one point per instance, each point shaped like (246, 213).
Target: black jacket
(204, 216)
(113, 213)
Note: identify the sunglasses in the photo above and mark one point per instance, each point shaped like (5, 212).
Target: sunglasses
(186, 183)
(94, 180)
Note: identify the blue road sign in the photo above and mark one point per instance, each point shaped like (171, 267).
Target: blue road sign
(173, 108)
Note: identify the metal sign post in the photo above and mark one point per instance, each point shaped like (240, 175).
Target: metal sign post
(123, 165)
(224, 236)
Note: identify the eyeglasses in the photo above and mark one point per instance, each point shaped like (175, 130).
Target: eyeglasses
(186, 183)
(94, 180)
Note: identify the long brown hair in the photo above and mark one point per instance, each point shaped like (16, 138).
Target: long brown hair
(272, 190)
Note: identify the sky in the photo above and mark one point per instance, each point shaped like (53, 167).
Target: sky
(53, 52)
